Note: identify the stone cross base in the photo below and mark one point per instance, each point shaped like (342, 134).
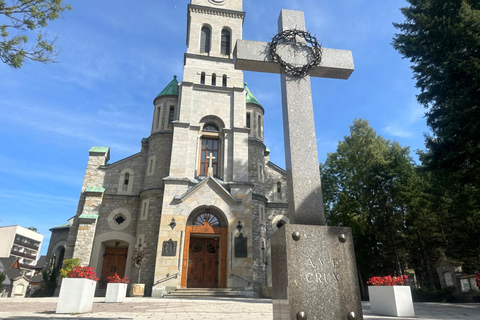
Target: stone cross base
(314, 274)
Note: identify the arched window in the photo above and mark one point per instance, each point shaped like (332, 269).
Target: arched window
(126, 180)
(214, 79)
(206, 217)
(210, 127)
(225, 50)
(202, 78)
(209, 154)
(224, 80)
(205, 40)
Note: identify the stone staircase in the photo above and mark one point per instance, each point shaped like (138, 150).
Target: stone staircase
(207, 293)
(100, 292)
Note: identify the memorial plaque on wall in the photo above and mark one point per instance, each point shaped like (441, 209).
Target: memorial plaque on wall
(314, 274)
(241, 247)
(169, 248)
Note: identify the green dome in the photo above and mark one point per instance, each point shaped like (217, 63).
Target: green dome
(250, 97)
(171, 89)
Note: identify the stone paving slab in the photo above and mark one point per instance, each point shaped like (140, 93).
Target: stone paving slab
(204, 308)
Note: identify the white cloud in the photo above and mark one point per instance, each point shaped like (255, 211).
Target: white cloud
(402, 127)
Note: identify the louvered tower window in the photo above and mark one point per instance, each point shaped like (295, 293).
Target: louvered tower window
(205, 40)
(225, 42)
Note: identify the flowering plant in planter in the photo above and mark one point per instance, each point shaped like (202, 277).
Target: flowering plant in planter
(116, 279)
(83, 272)
(387, 281)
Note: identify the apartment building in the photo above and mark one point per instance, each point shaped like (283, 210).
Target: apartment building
(23, 244)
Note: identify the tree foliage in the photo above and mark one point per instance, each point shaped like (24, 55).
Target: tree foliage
(371, 185)
(442, 40)
(18, 21)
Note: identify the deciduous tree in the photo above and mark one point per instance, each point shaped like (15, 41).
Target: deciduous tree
(19, 19)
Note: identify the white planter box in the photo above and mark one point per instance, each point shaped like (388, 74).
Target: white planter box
(116, 292)
(393, 301)
(76, 295)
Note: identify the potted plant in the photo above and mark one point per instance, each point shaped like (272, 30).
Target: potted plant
(77, 291)
(389, 296)
(116, 289)
(138, 259)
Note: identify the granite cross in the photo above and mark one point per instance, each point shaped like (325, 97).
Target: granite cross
(210, 159)
(303, 177)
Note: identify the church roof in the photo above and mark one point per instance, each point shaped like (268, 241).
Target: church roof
(171, 89)
(250, 97)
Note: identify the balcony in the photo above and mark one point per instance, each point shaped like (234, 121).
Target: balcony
(26, 266)
(26, 244)
(23, 254)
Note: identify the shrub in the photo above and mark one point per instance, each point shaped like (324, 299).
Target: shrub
(68, 265)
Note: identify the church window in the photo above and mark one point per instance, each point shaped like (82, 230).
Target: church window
(262, 214)
(248, 120)
(224, 80)
(126, 179)
(206, 217)
(119, 218)
(205, 40)
(151, 165)
(144, 210)
(279, 190)
(259, 127)
(158, 117)
(209, 154)
(202, 78)
(210, 127)
(171, 115)
(260, 172)
(125, 182)
(214, 79)
(225, 50)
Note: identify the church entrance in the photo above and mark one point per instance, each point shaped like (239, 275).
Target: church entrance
(203, 263)
(205, 253)
(114, 261)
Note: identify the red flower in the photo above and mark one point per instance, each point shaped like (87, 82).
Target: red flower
(83, 272)
(387, 281)
(116, 279)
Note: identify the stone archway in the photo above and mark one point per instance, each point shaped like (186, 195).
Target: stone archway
(205, 250)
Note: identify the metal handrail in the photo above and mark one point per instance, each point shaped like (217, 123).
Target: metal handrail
(173, 276)
(234, 275)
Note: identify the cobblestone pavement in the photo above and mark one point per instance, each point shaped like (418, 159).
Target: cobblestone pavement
(212, 309)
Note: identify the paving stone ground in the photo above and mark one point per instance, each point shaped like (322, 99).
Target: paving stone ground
(211, 309)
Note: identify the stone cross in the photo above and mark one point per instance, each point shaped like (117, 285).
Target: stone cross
(305, 198)
(210, 159)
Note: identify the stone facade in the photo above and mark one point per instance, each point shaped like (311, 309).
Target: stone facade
(161, 198)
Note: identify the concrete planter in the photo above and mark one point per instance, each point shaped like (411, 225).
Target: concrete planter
(137, 289)
(76, 295)
(116, 292)
(393, 301)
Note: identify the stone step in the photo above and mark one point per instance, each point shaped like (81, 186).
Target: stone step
(100, 292)
(205, 292)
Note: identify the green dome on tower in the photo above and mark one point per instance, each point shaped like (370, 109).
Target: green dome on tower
(170, 90)
(250, 97)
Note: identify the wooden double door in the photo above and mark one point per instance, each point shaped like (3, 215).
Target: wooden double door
(114, 261)
(203, 263)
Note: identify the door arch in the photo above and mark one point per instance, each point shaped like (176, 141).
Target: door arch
(205, 250)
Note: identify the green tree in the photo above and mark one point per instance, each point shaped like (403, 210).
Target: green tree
(20, 19)
(442, 40)
(33, 229)
(370, 184)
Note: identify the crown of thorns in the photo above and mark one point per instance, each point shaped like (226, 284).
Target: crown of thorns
(290, 37)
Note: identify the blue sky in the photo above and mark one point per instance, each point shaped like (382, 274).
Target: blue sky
(116, 58)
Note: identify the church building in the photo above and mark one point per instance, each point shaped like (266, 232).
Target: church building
(201, 198)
